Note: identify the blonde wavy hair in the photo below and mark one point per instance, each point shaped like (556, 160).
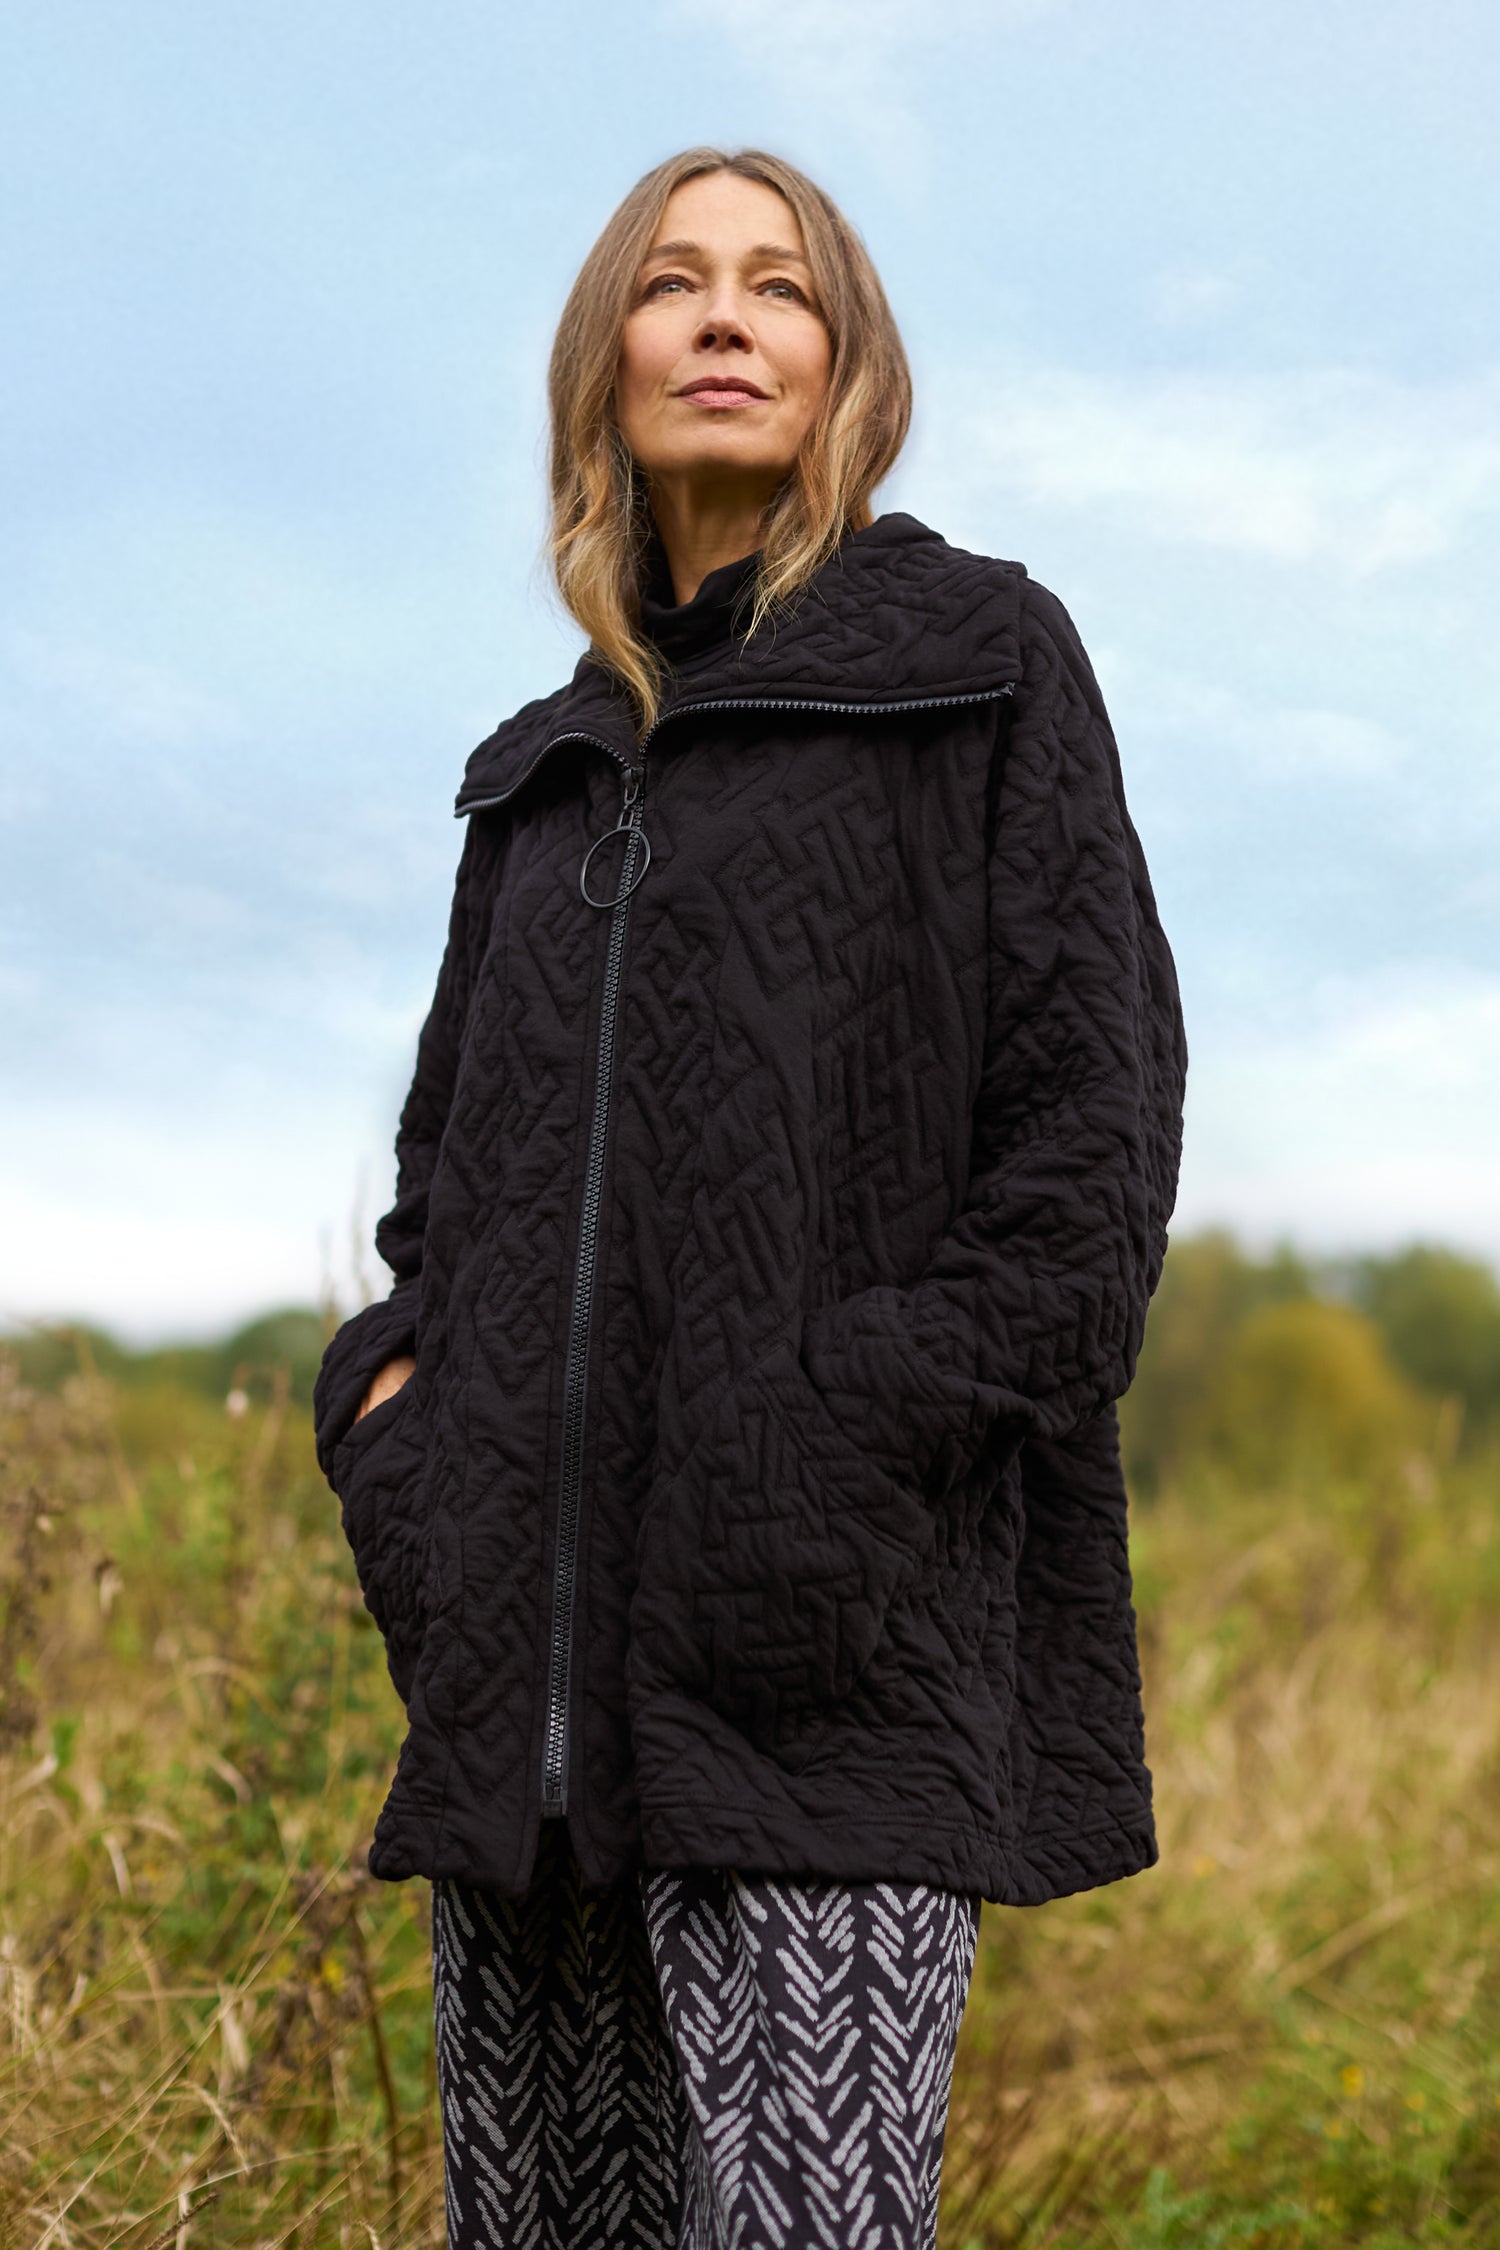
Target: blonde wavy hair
(600, 516)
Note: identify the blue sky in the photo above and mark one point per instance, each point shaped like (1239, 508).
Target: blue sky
(1201, 308)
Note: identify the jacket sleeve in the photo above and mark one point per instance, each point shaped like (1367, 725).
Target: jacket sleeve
(1030, 1312)
(387, 1328)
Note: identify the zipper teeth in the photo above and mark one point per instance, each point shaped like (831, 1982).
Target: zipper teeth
(554, 1755)
(735, 703)
(801, 703)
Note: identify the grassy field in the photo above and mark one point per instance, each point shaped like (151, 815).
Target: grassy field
(214, 2025)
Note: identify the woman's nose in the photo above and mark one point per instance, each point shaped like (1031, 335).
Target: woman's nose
(723, 323)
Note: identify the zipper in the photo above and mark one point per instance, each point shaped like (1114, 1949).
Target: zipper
(799, 703)
(555, 1744)
(737, 703)
(570, 1486)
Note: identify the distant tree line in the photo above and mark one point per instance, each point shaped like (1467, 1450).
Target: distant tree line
(1266, 1368)
(1258, 1369)
(289, 1341)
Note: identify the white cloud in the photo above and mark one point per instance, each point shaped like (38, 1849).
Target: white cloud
(790, 35)
(1355, 471)
(1278, 742)
(170, 1225)
(1192, 296)
(119, 698)
(1369, 1120)
(853, 60)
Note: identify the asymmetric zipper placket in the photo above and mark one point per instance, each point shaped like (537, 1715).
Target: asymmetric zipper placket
(735, 703)
(575, 1378)
(555, 1744)
(575, 1381)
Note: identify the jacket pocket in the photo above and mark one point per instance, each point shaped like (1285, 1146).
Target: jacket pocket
(357, 1351)
(378, 1471)
(770, 1559)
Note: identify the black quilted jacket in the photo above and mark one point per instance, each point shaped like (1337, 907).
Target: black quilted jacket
(774, 1244)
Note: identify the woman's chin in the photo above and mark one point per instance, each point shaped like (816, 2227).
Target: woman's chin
(718, 448)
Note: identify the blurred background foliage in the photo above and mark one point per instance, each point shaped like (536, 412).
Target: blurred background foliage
(1269, 1367)
(289, 1340)
(1260, 1366)
(214, 2025)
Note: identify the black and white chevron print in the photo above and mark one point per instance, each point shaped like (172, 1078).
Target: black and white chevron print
(563, 2120)
(814, 2025)
(696, 2060)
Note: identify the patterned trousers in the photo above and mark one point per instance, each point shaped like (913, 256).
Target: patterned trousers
(696, 2059)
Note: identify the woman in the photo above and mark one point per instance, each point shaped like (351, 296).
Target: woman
(733, 1468)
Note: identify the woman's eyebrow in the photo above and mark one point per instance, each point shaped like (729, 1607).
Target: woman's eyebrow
(764, 253)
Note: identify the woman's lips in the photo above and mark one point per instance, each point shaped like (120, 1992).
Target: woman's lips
(722, 394)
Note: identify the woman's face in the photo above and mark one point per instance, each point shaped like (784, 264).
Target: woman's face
(725, 359)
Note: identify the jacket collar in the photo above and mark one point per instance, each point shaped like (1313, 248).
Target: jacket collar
(895, 619)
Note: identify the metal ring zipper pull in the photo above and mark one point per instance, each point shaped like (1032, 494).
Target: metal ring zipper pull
(624, 826)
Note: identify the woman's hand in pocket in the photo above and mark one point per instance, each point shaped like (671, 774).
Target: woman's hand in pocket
(386, 1384)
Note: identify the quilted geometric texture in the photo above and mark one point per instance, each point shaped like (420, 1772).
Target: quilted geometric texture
(378, 1470)
(885, 1106)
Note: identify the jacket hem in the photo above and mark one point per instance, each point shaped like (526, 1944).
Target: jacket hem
(897, 1848)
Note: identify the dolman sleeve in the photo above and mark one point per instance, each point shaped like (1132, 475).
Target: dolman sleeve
(1030, 1313)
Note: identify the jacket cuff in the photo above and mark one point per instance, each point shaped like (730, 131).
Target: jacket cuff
(356, 1354)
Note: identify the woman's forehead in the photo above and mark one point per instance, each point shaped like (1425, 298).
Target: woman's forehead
(725, 200)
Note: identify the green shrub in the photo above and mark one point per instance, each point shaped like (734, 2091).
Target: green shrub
(1304, 1393)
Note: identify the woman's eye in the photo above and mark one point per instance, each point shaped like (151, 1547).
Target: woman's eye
(665, 284)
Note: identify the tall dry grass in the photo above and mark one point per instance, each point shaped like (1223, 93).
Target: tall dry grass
(1286, 2032)
(212, 2021)
(214, 2026)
